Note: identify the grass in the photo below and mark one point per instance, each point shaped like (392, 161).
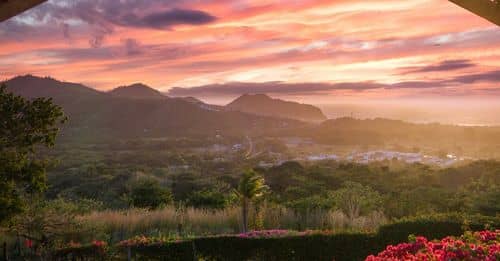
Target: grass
(120, 225)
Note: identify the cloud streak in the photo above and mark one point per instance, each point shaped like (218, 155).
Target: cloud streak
(173, 17)
(205, 43)
(444, 66)
(100, 18)
(239, 88)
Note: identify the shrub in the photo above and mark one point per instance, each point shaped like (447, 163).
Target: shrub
(262, 245)
(156, 248)
(148, 193)
(165, 252)
(484, 245)
(210, 199)
(315, 246)
(97, 250)
(434, 226)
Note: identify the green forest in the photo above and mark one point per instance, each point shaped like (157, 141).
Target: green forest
(61, 194)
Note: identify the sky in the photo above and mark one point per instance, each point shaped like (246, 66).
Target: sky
(305, 50)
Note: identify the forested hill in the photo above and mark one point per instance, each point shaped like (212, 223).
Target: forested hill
(261, 104)
(97, 115)
(137, 91)
(396, 134)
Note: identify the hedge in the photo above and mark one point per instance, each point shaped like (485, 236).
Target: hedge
(173, 251)
(353, 246)
(311, 246)
(435, 226)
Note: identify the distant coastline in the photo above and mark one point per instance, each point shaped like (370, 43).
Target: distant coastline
(484, 116)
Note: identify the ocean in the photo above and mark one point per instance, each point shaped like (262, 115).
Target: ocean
(466, 114)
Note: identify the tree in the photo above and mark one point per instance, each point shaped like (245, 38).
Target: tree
(25, 125)
(148, 193)
(209, 198)
(252, 187)
(355, 199)
(481, 196)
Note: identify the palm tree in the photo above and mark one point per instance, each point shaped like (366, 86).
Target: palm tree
(250, 188)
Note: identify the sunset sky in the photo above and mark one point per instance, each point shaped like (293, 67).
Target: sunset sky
(295, 48)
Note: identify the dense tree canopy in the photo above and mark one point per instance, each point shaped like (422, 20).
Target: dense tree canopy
(24, 125)
(148, 193)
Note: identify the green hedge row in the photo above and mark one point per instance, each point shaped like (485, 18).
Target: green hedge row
(344, 246)
(311, 247)
(435, 226)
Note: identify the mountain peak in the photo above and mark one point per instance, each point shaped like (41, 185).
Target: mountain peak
(32, 78)
(28, 77)
(262, 104)
(32, 86)
(137, 91)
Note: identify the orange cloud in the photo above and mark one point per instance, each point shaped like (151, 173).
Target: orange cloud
(191, 43)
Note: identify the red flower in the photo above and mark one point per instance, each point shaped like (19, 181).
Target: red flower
(28, 243)
(485, 246)
(98, 243)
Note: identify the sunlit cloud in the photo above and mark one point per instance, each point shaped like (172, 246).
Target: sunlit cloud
(238, 88)
(400, 47)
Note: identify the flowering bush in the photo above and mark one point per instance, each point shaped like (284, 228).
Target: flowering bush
(484, 245)
(98, 243)
(96, 248)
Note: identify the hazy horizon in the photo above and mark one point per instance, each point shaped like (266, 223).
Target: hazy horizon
(455, 111)
(464, 111)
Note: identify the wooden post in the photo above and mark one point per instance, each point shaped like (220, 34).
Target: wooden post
(19, 246)
(179, 229)
(129, 254)
(194, 250)
(5, 257)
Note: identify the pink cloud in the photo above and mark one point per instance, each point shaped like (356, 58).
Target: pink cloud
(180, 43)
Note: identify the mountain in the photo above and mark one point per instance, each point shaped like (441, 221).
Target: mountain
(30, 86)
(137, 91)
(96, 116)
(261, 104)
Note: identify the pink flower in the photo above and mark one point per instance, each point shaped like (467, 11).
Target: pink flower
(486, 246)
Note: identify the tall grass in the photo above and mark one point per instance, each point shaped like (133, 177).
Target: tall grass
(120, 225)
